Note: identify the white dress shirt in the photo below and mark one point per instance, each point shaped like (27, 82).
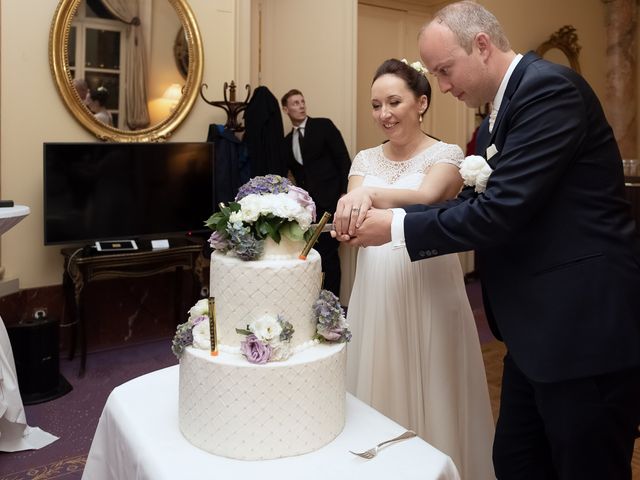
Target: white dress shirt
(295, 141)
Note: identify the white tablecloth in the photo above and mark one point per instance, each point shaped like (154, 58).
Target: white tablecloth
(15, 434)
(138, 438)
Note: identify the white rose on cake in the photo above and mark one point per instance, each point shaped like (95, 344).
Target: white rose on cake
(266, 328)
(201, 335)
(280, 205)
(236, 217)
(199, 309)
(475, 171)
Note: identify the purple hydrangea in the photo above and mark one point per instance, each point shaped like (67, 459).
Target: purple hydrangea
(182, 339)
(331, 326)
(255, 350)
(219, 241)
(263, 185)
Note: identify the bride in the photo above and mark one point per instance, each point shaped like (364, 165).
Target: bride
(415, 354)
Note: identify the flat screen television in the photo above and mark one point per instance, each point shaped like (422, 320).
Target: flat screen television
(116, 191)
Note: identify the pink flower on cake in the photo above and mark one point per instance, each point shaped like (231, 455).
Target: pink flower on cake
(255, 350)
(334, 334)
(303, 199)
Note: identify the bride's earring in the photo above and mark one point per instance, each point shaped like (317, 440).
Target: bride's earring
(420, 117)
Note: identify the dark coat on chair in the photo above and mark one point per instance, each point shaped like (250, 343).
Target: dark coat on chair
(560, 260)
(263, 134)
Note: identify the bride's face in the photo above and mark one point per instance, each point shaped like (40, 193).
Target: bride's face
(396, 109)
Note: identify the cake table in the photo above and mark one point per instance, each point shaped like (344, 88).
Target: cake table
(15, 434)
(138, 437)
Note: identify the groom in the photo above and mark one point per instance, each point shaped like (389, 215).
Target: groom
(559, 259)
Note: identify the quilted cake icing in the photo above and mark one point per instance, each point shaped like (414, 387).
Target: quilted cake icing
(232, 408)
(274, 386)
(244, 291)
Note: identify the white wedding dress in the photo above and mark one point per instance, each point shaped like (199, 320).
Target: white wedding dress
(415, 354)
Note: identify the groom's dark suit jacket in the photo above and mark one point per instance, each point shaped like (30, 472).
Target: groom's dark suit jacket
(559, 257)
(326, 163)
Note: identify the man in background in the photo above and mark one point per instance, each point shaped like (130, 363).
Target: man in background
(319, 162)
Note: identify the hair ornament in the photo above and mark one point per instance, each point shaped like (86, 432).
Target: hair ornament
(417, 66)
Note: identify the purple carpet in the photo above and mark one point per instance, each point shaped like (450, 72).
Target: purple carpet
(74, 417)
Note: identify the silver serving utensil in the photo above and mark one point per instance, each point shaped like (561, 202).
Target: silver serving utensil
(372, 452)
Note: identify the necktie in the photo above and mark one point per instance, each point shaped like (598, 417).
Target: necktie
(297, 153)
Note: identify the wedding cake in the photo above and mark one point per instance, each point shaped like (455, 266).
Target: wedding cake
(275, 385)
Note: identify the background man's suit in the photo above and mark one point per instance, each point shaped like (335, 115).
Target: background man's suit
(324, 172)
(559, 257)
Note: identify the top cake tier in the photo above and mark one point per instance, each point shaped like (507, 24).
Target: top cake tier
(278, 285)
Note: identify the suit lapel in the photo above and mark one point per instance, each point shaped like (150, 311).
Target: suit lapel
(482, 139)
(512, 86)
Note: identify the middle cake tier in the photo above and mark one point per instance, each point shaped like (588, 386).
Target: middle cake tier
(247, 290)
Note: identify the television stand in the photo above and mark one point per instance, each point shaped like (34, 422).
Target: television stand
(84, 265)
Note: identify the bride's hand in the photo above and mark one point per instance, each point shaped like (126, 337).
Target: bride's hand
(351, 211)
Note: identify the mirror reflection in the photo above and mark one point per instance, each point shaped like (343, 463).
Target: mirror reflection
(107, 52)
(116, 65)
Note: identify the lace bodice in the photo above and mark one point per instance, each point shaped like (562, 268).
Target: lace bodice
(372, 163)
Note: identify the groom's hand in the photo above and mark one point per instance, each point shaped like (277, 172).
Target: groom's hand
(375, 230)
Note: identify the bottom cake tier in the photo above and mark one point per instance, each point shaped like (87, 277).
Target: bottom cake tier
(236, 409)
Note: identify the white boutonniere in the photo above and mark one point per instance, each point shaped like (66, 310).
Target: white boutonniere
(475, 171)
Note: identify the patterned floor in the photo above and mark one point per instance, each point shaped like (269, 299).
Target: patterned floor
(493, 352)
(67, 468)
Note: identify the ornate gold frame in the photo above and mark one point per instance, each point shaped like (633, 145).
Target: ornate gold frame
(565, 40)
(58, 61)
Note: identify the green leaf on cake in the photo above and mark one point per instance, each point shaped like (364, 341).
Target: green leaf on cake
(292, 231)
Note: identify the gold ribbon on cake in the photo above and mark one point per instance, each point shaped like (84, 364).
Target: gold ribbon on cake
(314, 238)
(213, 327)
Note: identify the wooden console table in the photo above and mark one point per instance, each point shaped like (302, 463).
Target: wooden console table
(83, 265)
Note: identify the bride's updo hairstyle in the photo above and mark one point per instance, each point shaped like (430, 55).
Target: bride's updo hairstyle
(416, 81)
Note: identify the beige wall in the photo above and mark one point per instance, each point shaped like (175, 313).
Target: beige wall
(32, 113)
(310, 45)
(527, 24)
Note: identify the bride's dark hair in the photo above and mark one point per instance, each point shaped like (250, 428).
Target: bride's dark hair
(416, 81)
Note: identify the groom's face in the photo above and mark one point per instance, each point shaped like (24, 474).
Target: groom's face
(460, 73)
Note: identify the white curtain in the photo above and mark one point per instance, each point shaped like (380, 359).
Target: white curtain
(136, 111)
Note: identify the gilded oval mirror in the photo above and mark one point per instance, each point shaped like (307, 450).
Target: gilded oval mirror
(99, 46)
